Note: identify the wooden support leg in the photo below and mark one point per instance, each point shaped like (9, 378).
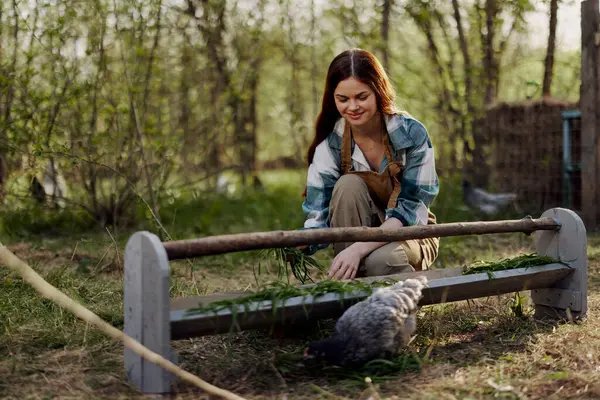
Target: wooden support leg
(147, 310)
(567, 299)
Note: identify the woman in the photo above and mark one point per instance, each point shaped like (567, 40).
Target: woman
(369, 165)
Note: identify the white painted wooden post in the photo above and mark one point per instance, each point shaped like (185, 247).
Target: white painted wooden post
(567, 298)
(147, 306)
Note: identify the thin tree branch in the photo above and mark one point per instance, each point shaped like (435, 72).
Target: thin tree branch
(138, 128)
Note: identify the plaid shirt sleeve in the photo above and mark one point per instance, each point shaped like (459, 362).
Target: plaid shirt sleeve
(323, 173)
(420, 184)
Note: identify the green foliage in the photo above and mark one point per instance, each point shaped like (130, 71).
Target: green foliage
(145, 92)
(448, 205)
(299, 263)
(522, 261)
(518, 305)
(39, 220)
(198, 212)
(278, 291)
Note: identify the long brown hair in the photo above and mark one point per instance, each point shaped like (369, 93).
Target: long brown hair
(363, 66)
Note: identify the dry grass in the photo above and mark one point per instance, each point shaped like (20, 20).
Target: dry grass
(473, 350)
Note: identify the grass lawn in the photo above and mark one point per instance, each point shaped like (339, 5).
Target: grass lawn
(464, 350)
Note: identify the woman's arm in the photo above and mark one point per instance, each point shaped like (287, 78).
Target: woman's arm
(345, 264)
(365, 248)
(323, 173)
(420, 184)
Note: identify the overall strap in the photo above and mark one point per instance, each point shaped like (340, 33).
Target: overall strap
(394, 169)
(346, 149)
(393, 166)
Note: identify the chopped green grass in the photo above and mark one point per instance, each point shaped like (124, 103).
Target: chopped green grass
(299, 263)
(279, 291)
(522, 261)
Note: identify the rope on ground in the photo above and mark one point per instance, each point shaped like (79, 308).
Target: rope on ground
(47, 290)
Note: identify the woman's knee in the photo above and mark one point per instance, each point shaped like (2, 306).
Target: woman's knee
(388, 259)
(351, 203)
(349, 187)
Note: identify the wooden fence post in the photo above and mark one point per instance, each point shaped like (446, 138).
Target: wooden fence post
(590, 112)
(147, 308)
(568, 297)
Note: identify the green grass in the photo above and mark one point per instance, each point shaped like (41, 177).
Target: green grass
(522, 261)
(193, 212)
(47, 352)
(291, 260)
(278, 292)
(25, 317)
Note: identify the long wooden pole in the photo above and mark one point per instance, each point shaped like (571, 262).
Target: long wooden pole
(265, 240)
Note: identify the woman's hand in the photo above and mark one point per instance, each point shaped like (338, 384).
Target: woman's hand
(345, 264)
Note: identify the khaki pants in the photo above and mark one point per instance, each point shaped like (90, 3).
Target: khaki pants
(351, 206)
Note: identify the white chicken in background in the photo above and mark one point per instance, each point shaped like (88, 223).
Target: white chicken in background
(225, 185)
(487, 203)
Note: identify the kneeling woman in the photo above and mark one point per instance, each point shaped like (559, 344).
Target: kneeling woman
(369, 165)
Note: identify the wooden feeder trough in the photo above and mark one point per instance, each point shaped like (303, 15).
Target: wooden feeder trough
(154, 319)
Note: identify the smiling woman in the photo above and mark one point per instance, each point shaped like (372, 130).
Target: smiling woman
(369, 165)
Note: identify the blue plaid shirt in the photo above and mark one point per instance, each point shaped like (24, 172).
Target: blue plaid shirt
(410, 144)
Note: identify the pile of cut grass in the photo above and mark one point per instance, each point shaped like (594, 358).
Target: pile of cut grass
(280, 291)
(522, 261)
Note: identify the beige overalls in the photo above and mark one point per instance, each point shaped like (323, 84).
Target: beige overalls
(359, 199)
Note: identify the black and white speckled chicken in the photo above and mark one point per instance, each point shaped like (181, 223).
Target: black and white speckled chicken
(377, 327)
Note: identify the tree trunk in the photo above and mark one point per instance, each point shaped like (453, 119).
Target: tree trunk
(549, 61)
(185, 107)
(424, 17)
(385, 33)
(466, 122)
(3, 134)
(9, 89)
(489, 59)
(313, 60)
(479, 168)
(3, 174)
(148, 75)
(464, 49)
(295, 98)
(253, 115)
(212, 27)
